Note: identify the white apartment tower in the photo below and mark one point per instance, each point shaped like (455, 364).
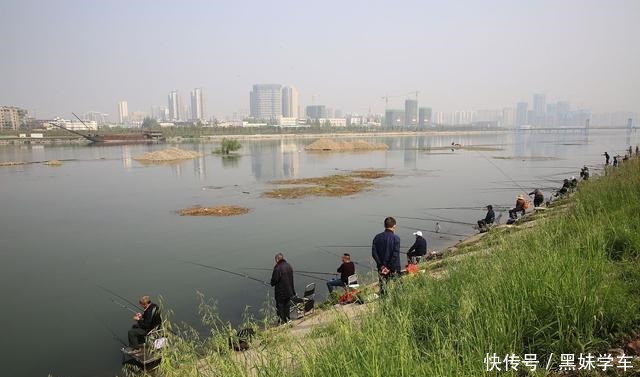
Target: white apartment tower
(197, 104)
(123, 112)
(175, 107)
(290, 102)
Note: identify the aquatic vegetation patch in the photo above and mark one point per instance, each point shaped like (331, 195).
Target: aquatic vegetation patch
(230, 210)
(53, 163)
(333, 186)
(11, 163)
(526, 158)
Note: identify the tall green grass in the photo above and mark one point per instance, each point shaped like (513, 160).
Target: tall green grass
(568, 285)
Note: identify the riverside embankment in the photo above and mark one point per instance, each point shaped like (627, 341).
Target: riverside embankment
(564, 282)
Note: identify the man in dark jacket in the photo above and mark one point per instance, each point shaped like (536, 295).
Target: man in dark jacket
(146, 321)
(346, 269)
(385, 250)
(488, 219)
(418, 249)
(282, 281)
(538, 198)
(606, 158)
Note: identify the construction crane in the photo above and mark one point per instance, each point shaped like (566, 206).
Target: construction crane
(386, 97)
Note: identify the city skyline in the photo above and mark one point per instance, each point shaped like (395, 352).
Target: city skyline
(477, 55)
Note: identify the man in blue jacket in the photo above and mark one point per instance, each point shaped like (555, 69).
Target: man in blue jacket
(385, 250)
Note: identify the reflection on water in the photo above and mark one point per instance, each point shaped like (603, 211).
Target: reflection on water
(231, 161)
(274, 159)
(101, 221)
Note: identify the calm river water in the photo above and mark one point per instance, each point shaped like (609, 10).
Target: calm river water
(106, 220)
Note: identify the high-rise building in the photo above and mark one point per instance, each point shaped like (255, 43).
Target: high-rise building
(290, 102)
(266, 102)
(539, 109)
(316, 112)
(424, 117)
(11, 118)
(175, 107)
(160, 113)
(410, 112)
(393, 118)
(509, 115)
(197, 104)
(123, 112)
(521, 113)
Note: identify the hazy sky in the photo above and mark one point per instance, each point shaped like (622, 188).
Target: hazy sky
(63, 56)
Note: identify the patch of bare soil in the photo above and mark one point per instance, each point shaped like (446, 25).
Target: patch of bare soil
(11, 163)
(168, 155)
(214, 211)
(53, 163)
(332, 145)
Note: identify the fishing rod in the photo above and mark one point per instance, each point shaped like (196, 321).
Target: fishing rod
(435, 220)
(340, 256)
(118, 296)
(310, 276)
(228, 271)
(123, 306)
(110, 330)
(296, 271)
(434, 232)
(502, 171)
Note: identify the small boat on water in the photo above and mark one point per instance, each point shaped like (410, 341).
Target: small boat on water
(144, 136)
(131, 137)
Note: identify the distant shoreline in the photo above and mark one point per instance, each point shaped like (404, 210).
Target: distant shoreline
(67, 139)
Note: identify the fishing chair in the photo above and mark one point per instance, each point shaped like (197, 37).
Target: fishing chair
(304, 305)
(151, 353)
(352, 283)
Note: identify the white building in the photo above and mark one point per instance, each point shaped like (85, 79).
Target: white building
(175, 107)
(123, 112)
(197, 104)
(333, 122)
(290, 104)
(73, 125)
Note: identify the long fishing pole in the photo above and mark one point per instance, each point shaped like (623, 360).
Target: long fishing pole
(296, 271)
(310, 276)
(435, 220)
(338, 255)
(228, 271)
(118, 296)
(123, 306)
(503, 173)
(110, 330)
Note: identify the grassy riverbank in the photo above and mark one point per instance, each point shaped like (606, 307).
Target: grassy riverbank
(569, 284)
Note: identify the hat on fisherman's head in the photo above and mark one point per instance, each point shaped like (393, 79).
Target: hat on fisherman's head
(418, 233)
(520, 196)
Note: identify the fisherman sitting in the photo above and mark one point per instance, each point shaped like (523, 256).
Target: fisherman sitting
(146, 321)
(538, 198)
(574, 183)
(418, 250)
(564, 190)
(584, 173)
(483, 225)
(346, 269)
(521, 206)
